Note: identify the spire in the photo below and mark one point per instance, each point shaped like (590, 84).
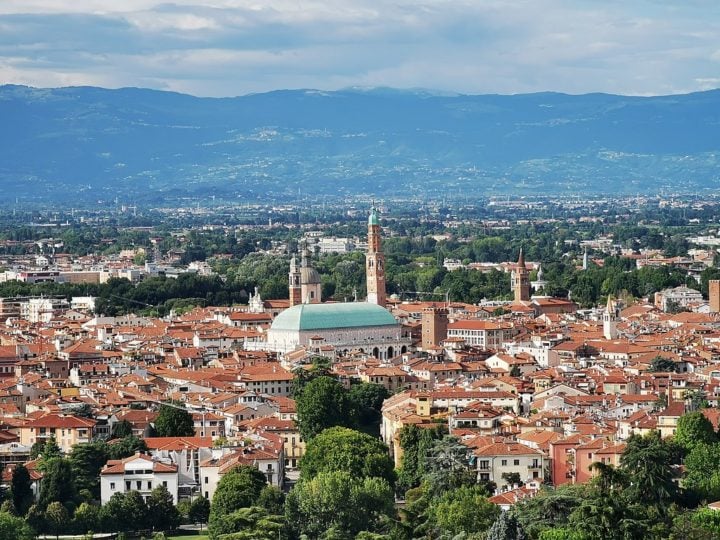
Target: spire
(373, 218)
(305, 255)
(521, 258)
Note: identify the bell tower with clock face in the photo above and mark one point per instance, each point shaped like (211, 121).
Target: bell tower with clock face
(375, 262)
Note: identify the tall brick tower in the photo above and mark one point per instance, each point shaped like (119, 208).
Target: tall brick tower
(375, 262)
(714, 295)
(294, 283)
(520, 280)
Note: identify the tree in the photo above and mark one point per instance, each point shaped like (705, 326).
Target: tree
(415, 443)
(692, 429)
(238, 488)
(660, 364)
(272, 499)
(321, 367)
(57, 518)
(512, 479)
(506, 527)
(21, 490)
(112, 514)
(199, 511)
(14, 528)
(174, 422)
(465, 509)
(126, 447)
(135, 511)
(648, 462)
(87, 460)
(343, 449)
(341, 501)
(86, 518)
(121, 429)
(49, 451)
(550, 508)
(447, 466)
(253, 523)
(162, 513)
(323, 403)
(58, 483)
(702, 471)
(367, 399)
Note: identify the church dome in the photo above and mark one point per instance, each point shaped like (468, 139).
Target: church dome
(308, 275)
(326, 316)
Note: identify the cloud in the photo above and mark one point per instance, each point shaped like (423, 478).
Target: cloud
(230, 47)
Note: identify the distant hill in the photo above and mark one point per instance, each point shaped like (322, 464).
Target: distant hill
(146, 146)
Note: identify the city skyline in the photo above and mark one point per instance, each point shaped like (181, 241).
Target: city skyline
(235, 47)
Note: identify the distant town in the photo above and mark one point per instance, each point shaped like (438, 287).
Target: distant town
(362, 369)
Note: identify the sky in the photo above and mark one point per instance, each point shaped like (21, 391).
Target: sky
(236, 47)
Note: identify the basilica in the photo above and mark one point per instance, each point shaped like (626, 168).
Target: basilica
(366, 327)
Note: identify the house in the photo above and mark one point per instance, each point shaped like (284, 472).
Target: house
(67, 430)
(496, 461)
(139, 473)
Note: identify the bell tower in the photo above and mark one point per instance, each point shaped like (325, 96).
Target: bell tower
(294, 283)
(375, 262)
(520, 280)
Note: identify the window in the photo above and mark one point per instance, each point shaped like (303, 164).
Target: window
(139, 485)
(112, 486)
(149, 484)
(503, 462)
(207, 479)
(516, 462)
(127, 485)
(164, 483)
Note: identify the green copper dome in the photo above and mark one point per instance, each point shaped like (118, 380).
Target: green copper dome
(326, 316)
(374, 218)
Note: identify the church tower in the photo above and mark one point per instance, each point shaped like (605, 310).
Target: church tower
(520, 280)
(294, 283)
(310, 288)
(610, 319)
(375, 262)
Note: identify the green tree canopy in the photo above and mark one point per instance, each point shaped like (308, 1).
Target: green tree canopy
(57, 518)
(14, 528)
(323, 403)
(506, 527)
(343, 449)
(126, 447)
(465, 509)
(199, 511)
(550, 508)
(238, 488)
(87, 518)
(87, 460)
(121, 429)
(648, 463)
(694, 428)
(174, 421)
(162, 513)
(368, 399)
(58, 483)
(21, 490)
(253, 523)
(415, 443)
(702, 471)
(338, 500)
(660, 364)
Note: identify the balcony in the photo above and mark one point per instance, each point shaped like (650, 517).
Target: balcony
(535, 466)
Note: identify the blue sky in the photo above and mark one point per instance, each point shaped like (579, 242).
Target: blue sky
(234, 47)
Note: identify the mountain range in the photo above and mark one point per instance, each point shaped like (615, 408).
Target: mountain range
(148, 146)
